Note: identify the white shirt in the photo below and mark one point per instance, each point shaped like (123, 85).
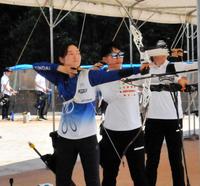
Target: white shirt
(5, 82)
(40, 83)
(122, 113)
(161, 105)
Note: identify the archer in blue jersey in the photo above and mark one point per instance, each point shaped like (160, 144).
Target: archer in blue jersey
(77, 128)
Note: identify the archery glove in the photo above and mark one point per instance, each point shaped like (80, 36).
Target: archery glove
(144, 69)
(183, 81)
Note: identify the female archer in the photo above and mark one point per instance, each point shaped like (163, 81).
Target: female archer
(77, 129)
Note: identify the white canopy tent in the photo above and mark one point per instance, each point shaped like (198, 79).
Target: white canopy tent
(160, 11)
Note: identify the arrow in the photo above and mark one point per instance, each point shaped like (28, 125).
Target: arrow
(31, 145)
(158, 75)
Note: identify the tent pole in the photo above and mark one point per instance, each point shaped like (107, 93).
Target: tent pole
(130, 44)
(198, 53)
(52, 60)
(189, 76)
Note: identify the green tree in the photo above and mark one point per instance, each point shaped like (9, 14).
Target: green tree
(17, 23)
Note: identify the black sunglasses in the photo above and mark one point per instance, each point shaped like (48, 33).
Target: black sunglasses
(117, 55)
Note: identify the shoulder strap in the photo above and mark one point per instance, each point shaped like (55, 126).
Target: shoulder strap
(170, 68)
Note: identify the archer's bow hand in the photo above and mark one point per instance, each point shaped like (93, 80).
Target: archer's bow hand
(144, 69)
(183, 81)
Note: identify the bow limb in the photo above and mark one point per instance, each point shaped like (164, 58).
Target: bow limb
(137, 35)
(144, 58)
(137, 38)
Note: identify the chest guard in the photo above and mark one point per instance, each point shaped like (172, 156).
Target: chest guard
(85, 93)
(170, 68)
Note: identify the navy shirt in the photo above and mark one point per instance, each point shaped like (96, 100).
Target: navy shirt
(66, 85)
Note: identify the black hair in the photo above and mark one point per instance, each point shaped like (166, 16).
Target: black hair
(161, 44)
(107, 48)
(7, 70)
(151, 58)
(1, 72)
(63, 48)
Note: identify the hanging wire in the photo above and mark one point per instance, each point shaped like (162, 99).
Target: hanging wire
(172, 46)
(139, 14)
(146, 20)
(67, 13)
(23, 49)
(42, 10)
(182, 40)
(112, 143)
(194, 35)
(118, 29)
(29, 37)
(82, 30)
(61, 10)
(16, 74)
(181, 37)
(183, 26)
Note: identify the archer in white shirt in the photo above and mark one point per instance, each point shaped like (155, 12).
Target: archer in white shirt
(7, 91)
(42, 96)
(121, 126)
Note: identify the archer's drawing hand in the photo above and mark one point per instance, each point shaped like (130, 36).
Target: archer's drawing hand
(71, 71)
(144, 69)
(183, 81)
(98, 65)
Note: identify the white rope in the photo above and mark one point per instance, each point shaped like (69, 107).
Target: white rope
(146, 20)
(173, 44)
(25, 45)
(113, 145)
(181, 37)
(67, 14)
(42, 10)
(82, 29)
(60, 12)
(190, 36)
(118, 29)
(29, 37)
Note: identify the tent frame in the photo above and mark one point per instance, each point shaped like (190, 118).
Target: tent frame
(198, 58)
(192, 15)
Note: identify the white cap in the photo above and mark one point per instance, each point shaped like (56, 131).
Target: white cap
(158, 52)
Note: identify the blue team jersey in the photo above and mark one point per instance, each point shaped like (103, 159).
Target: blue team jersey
(78, 112)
